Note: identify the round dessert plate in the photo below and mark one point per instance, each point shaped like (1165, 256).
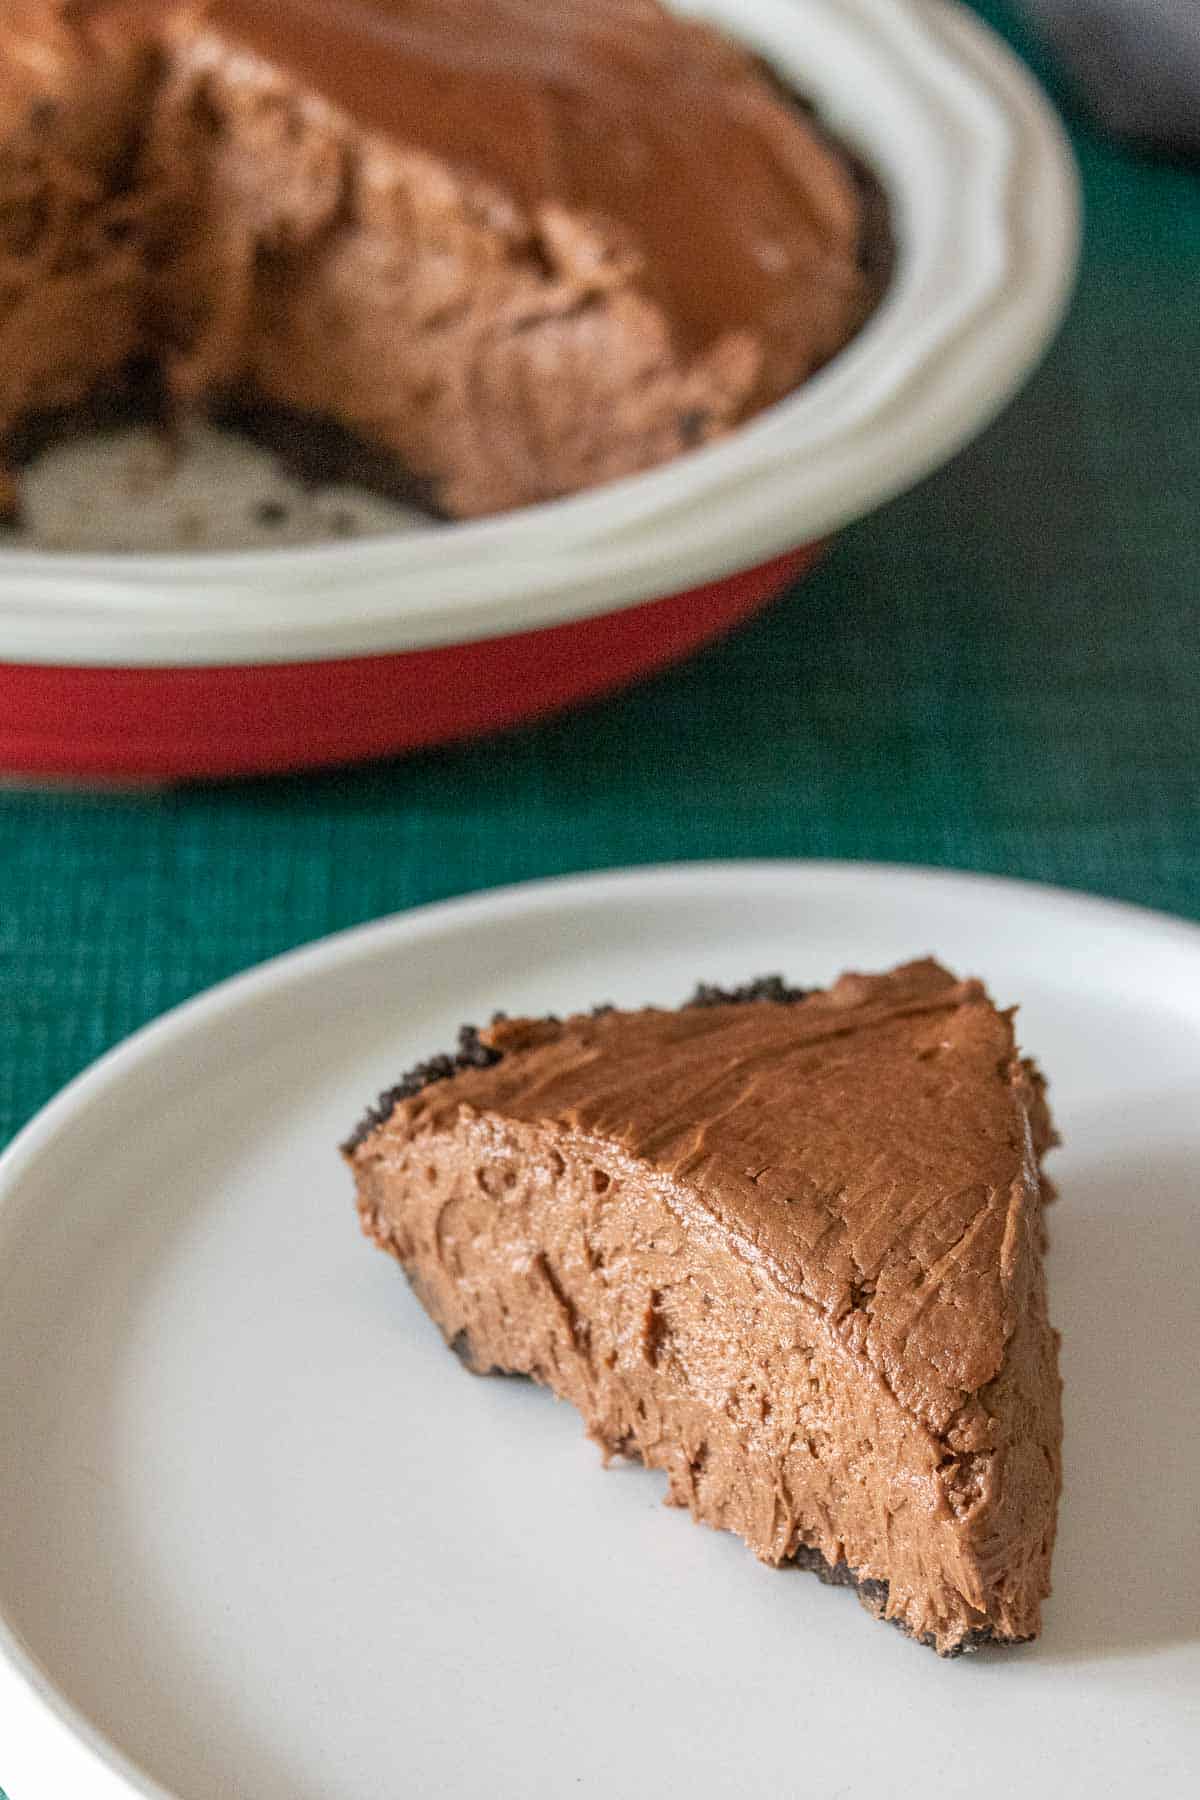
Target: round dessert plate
(261, 1536)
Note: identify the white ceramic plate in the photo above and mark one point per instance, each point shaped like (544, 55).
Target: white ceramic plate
(261, 1536)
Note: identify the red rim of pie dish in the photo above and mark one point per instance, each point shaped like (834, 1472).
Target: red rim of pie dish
(163, 724)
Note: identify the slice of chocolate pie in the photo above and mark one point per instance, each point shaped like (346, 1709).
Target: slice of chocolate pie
(786, 1248)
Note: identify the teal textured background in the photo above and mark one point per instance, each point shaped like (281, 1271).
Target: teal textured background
(1000, 671)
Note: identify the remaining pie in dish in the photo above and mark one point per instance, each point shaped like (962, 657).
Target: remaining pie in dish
(785, 1247)
(521, 247)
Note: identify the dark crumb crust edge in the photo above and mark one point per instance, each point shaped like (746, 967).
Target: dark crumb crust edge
(873, 1595)
(473, 1053)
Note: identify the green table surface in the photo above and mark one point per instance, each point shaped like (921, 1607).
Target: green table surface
(999, 671)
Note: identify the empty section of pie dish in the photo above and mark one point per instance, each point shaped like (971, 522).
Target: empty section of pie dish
(231, 661)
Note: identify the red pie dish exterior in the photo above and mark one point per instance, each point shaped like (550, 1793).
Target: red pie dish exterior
(137, 725)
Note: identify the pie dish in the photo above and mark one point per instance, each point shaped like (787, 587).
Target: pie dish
(218, 662)
(785, 1247)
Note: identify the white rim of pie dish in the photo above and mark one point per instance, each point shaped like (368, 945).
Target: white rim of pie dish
(985, 207)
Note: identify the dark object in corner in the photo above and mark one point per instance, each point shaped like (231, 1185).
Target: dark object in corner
(1136, 62)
